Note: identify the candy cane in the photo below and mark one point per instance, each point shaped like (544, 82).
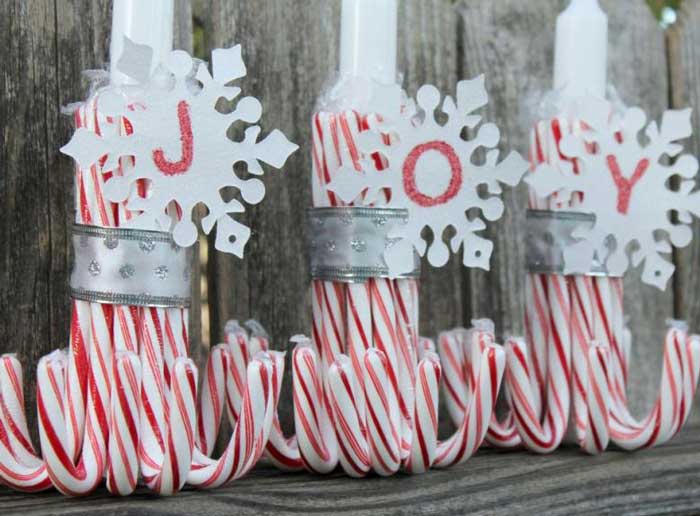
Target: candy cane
(282, 451)
(459, 376)
(123, 462)
(591, 371)
(346, 389)
(406, 317)
(424, 445)
(539, 435)
(315, 434)
(20, 468)
(68, 477)
(474, 425)
(383, 416)
(250, 434)
(167, 444)
(678, 380)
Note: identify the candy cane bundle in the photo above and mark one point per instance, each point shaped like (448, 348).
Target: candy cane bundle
(365, 385)
(120, 405)
(597, 191)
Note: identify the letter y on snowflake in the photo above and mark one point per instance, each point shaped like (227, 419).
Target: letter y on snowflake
(429, 169)
(167, 121)
(626, 182)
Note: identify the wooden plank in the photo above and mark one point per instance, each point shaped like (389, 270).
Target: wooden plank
(428, 55)
(45, 54)
(637, 68)
(512, 43)
(660, 480)
(290, 52)
(684, 66)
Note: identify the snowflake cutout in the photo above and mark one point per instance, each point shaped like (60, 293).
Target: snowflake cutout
(431, 173)
(178, 139)
(626, 183)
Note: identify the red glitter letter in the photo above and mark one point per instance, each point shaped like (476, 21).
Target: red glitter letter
(173, 168)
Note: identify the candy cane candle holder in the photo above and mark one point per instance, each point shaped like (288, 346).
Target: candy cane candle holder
(583, 152)
(594, 182)
(121, 403)
(365, 384)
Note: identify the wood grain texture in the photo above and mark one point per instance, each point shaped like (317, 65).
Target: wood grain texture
(512, 43)
(637, 67)
(46, 49)
(289, 53)
(658, 481)
(684, 66)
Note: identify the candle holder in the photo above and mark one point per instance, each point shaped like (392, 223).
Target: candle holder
(365, 384)
(596, 188)
(121, 402)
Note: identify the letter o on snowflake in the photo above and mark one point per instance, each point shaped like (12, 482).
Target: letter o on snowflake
(430, 172)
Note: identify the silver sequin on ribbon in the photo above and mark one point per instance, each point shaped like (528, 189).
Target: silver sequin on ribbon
(348, 244)
(129, 267)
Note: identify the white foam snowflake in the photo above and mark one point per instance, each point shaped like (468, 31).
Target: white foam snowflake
(431, 173)
(626, 183)
(178, 139)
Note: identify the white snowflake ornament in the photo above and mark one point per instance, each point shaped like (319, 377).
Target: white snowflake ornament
(178, 139)
(625, 182)
(431, 173)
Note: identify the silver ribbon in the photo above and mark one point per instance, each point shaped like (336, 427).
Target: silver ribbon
(548, 233)
(348, 244)
(130, 267)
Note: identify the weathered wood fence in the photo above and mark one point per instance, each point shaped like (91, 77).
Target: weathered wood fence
(290, 47)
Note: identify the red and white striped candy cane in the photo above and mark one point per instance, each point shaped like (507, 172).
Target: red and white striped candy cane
(539, 435)
(68, 477)
(250, 433)
(539, 386)
(20, 468)
(282, 451)
(455, 350)
(472, 429)
(665, 417)
(591, 371)
(316, 437)
(406, 306)
(122, 451)
(359, 337)
(424, 444)
(383, 414)
(212, 398)
(168, 410)
(385, 339)
(503, 433)
(346, 390)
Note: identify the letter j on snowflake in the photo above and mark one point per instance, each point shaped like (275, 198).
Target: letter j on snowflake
(640, 190)
(430, 170)
(168, 123)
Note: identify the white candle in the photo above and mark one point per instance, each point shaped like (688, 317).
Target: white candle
(581, 50)
(147, 22)
(368, 39)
